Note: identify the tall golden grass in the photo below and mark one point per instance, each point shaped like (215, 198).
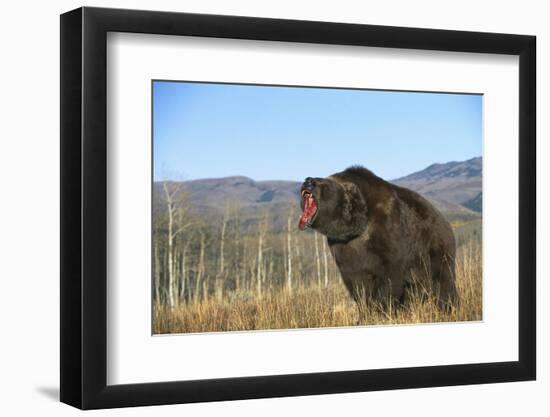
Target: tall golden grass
(318, 306)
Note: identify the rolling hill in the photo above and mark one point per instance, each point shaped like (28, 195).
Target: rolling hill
(453, 182)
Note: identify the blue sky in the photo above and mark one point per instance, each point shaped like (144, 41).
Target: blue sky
(206, 130)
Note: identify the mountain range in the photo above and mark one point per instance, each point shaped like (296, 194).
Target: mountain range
(453, 187)
(457, 183)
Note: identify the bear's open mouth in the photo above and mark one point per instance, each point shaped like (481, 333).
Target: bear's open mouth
(310, 210)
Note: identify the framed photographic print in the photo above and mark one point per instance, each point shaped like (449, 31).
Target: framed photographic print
(256, 207)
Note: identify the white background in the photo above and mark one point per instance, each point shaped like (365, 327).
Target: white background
(133, 60)
(29, 215)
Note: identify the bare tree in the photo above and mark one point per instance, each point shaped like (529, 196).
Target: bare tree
(298, 265)
(156, 267)
(262, 229)
(317, 259)
(183, 281)
(289, 253)
(200, 268)
(171, 209)
(237, 252)
(219, 284)
(325, 261)
(259, 260)
(222, 242)
(177, 222)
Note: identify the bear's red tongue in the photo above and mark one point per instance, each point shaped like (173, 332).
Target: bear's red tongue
(310, 207)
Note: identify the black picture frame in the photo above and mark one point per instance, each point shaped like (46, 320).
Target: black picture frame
(84, 207)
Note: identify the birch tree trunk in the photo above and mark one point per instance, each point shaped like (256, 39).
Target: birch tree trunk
(222, 244)
(221, 269)
(270, 271)
(200, 268)
(164, 276)
(325, 261)
(289, 255)
(176, 271)
(183, 274)
(298, 265)
(317, 259)
(157, 270)
(238, 254)
(170, 206)
(259, 264)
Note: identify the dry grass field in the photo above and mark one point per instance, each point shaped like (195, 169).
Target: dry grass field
(319, 306)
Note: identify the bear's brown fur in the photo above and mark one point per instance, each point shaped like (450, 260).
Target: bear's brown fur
(385, 239)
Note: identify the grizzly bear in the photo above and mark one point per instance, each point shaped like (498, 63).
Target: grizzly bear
(386, 240)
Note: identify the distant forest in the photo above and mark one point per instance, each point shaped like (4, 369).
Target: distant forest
(195, 257)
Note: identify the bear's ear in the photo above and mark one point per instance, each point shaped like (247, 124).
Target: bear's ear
(353, 201)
